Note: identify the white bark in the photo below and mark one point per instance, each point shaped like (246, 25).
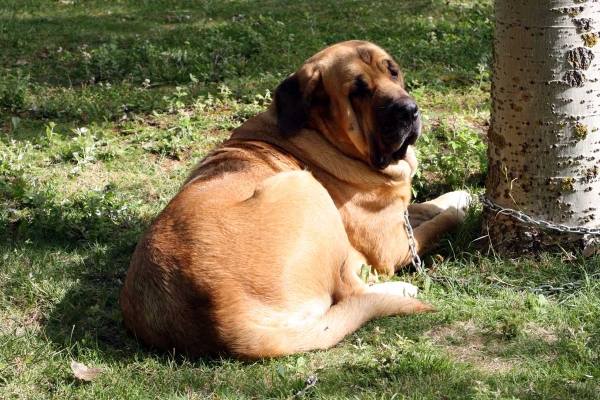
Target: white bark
(544, 150)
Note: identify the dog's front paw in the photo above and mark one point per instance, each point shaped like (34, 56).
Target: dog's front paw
(464, 200)
(459, 199)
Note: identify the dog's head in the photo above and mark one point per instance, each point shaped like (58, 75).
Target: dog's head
(353, 93)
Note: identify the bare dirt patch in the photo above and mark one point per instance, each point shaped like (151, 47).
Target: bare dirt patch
(19, 325)
(466, 343)
(541, 333)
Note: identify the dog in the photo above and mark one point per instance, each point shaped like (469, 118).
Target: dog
(260, 253)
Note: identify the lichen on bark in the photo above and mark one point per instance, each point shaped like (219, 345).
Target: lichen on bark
(590, 39)
(580, 131)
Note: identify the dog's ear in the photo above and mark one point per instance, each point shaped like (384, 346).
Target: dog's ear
(293, 100)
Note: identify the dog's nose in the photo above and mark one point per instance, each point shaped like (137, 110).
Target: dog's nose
(408, 112)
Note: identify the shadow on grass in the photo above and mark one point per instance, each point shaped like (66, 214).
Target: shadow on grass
(91, 272)
(89, 313)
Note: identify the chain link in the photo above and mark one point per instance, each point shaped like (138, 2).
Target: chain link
(582, 230)
(545, 289)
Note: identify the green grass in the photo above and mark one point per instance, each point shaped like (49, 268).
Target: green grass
(106, 105)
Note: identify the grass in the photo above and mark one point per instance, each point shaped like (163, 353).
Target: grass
(105, 107)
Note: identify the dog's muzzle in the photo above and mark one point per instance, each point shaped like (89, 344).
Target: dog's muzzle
(399, 125)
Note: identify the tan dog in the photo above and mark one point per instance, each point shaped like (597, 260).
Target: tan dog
(260, 252)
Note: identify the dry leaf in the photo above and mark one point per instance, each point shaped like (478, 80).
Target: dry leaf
(83, 372)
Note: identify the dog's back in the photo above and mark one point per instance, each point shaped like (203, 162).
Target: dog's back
(249, 260)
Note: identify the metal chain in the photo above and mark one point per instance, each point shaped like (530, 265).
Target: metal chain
(520, 216)
(311, 381)
(544, 289)
(583, 230)
(416, 260)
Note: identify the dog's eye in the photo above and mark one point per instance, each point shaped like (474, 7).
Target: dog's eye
(394, 73)
(360, 89)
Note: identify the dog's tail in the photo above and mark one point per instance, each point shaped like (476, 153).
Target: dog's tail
(327, 330)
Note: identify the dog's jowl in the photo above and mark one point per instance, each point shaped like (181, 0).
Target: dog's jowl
(260, 252)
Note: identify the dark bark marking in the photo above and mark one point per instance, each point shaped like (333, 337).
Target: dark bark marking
(580, 58)
(574, 78)
(584, 24)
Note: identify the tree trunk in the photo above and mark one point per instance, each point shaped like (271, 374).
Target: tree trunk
(544, 144)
